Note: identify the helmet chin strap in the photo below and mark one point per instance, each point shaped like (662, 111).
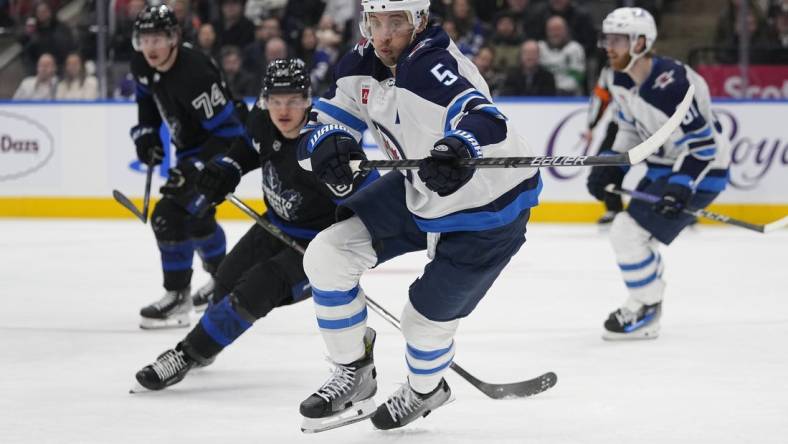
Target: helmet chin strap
(633, 57)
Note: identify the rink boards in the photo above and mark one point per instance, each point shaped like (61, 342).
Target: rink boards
(64, 159)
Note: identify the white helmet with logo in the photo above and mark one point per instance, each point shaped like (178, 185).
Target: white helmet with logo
(418, 11)
(632, 22)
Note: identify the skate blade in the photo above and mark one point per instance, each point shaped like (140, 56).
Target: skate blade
(200, 308)
(646, 333)
(179, 321)
(138, 388)
(356, 413)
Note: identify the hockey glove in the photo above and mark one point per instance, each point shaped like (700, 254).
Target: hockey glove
(331, 154)
(148, 143)
(441, 172)
(602, 176)
(220, 176)
(674, 200)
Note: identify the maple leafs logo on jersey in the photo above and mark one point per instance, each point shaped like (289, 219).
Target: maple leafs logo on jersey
(285, 203)
(663, 80)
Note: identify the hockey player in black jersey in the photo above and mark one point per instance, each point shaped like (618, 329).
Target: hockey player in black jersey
(260, 273)
(184, 89)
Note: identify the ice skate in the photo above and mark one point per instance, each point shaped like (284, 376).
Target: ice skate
(171, 311)
(406, 406)
(202, 297)
(346, 397)
(625, 323)
(168, 369)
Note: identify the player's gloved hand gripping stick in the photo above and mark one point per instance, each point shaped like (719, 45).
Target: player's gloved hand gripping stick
(635, 155)
(765, 228)
(520, 389)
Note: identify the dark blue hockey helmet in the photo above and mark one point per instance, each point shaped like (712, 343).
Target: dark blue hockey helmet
(286, 76)
(155, 19)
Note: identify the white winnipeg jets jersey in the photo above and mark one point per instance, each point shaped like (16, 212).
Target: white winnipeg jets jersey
(697, 154)
(436, 92)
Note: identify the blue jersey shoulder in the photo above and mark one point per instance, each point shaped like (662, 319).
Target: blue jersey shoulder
(623, 80)
(666, 86)
(429, 70)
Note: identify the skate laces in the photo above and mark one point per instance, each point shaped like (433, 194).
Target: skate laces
(340, 382)
(403, 402)
(626, 316)
(168, 364)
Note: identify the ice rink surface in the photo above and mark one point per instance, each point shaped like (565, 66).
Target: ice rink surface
(70, 345)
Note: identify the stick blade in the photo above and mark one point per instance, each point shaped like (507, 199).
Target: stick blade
(652, 144)
(522, 389)
(776, 225)
(126, 203)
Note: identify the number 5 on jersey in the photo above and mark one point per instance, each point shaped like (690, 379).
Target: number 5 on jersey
(446, 77)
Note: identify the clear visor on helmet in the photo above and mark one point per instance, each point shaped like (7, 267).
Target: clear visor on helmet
(286, 100)
(613, 41)
(387, 24)
(152, 40)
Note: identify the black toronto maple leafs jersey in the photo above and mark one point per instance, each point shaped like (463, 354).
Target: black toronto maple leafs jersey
(191, 98)
(297, 201)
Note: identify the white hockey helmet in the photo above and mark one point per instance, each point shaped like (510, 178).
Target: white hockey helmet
(418, 11)
(632, 22)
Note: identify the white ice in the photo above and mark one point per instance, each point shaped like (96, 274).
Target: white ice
(69, 347)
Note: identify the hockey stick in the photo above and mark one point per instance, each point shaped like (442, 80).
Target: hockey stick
(520, 389)
(635, 155)
(766, 228)
(126, 202)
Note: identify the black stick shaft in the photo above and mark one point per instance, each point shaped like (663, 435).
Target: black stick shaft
(505, 162)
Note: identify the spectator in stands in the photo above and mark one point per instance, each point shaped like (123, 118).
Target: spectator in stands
(307, 45)
(522, 11)
(124, 26)
(42, 85)
(344, 13)
(487, 10)
(76, 84)
(275, 48)
(484, 61)
(241, 83)
(728, 32)
(300, 14)
(563, 57)
(530, 78)
(233, 28)
(329, 49)
(254, 54)
(43, 33)
(450, 28)
(257, 9)
(471, 31)
(779, 53)
(188, 22)
(206, 41)
(577, 19)
(506, 40)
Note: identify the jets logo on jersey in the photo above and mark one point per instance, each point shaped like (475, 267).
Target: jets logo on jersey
(421, 44)
(663, 80)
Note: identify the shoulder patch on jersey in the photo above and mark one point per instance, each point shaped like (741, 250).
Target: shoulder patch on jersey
(361, 46)
(663, 80)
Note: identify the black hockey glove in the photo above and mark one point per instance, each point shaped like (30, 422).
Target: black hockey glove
(440, 172)
(332, 153)
(148, 143)
(602, 176)
(220, 176)
(674, 199)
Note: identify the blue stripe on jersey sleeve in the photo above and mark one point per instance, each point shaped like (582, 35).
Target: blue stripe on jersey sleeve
(698, 134)
(218, 119)
(341, 115)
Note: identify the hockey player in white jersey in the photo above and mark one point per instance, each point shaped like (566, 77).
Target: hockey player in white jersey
(421, 99)
(689, 170)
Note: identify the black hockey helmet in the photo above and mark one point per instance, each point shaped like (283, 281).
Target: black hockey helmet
(155, 19)
(286, 76)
